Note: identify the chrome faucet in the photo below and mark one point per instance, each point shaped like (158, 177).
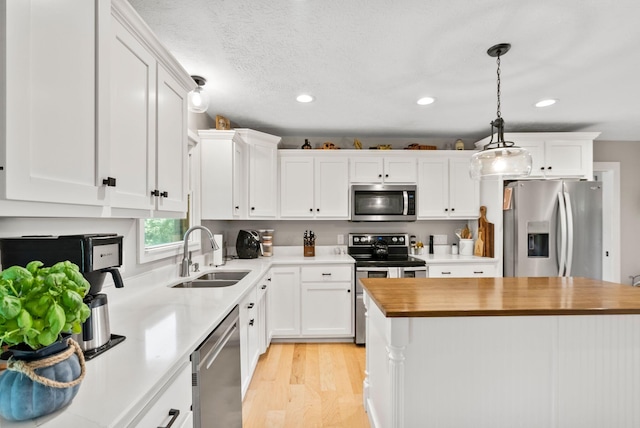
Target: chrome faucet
(186, 258)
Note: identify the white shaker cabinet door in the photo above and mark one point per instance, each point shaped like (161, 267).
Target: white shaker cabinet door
(50, 144)
(331, 188)
(263, 189)
(464, 192)
(171, 146)
(296, 187)
(133, 109)
(284, 302)
(433, 187)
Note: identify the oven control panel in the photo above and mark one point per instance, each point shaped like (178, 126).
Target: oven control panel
(366, 239)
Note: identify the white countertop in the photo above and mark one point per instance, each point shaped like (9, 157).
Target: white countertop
(450, 258)
(163, 326)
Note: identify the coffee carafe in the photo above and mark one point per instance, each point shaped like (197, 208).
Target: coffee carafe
(96, 255)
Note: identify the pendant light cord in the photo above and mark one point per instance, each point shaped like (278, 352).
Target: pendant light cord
(498, 73)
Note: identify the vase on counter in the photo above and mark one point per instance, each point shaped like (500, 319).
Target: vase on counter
(38, 382)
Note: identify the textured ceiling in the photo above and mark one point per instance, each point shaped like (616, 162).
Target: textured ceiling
(367, 62)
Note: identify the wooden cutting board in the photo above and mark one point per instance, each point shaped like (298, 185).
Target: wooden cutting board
(487, 230)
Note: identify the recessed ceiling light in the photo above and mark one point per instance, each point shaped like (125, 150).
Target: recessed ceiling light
(545, 103)
(304, 98)
(426, 101)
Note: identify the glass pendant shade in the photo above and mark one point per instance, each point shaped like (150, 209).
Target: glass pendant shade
(198, 100)
(500, 162)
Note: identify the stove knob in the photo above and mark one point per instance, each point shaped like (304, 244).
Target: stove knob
(401, 239)
(394, 239)
(356, 239)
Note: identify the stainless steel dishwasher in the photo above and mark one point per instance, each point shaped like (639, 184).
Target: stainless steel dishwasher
(217, 382)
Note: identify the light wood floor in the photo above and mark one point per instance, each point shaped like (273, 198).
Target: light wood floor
(307, 385)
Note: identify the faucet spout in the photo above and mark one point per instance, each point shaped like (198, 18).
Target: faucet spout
(186, 260)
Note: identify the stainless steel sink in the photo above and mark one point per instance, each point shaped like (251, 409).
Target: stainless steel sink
(207, 283)
(236, 275)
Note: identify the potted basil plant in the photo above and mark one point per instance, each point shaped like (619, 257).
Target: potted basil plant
(40, 307)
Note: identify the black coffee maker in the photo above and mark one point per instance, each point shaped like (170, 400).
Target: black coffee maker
(96, 255)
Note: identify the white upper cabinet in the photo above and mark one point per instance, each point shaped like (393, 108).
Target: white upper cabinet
(133, 110)
(556, 154)
(223, 172)
(368, 167)
(445, 189)
(49, 130)
(171, 144)
(95, 111)
(313, 185)
(263, 173)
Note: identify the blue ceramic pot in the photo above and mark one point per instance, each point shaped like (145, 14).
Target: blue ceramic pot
(22, 398)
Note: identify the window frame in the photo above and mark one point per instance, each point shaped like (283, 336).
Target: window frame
(174, 249)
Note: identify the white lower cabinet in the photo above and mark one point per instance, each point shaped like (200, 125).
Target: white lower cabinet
(327, 301)
(462, 270)
(284, 302)
(311, 301)
(249, 345)
(172, 404)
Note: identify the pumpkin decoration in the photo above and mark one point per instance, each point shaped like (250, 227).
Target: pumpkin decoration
(41, 386)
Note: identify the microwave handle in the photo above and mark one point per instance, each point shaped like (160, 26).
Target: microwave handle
(405, 197)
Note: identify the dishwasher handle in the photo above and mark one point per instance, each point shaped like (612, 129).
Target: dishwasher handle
(213, 354)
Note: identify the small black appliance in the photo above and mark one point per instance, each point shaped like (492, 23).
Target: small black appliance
(248, 244)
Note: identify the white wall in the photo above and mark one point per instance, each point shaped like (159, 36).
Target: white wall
(628, 154)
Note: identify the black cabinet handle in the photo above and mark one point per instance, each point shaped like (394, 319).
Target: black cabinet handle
(250, 306)
(164, 194)
(379, 175)
(251, 322)
(174, 413)
(109, 182)
(264, 287)
(310, 210)
(541, 168)
(253, 208)
(268, 279)
(326, 274)
(237, 207)
(446, 273)
(453, 209)
(386, 175)
(446, 209)
(348, 291)
(155, 192)
(548, 167)
(478, 271)
(318, 209)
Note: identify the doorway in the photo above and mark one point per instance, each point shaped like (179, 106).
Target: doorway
(608, 173)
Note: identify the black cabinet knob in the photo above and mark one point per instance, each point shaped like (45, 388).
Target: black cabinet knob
(155, 192)
(453, 209)
(237, 207)
(250, 306)
(548, 167)
(379, 175)
(348, 291)
(164, 194)
(446, 209)
(264, 287)
(253, 208)
(310, 210)
(541, 168)
(318, 209)
(251, 322)
(386, 175)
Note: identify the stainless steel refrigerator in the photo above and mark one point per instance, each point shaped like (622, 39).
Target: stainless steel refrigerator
(553, 228)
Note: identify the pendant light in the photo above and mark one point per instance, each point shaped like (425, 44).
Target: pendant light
(500, 159)
(198, 100)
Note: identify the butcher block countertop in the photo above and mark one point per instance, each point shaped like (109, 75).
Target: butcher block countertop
(461, 297)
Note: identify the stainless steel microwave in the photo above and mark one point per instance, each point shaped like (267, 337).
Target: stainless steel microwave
(380, 202)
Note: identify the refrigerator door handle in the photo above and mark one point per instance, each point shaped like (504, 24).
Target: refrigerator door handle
(567, 200)
(563, 234)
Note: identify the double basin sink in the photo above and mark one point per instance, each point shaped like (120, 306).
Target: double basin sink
(223, 278)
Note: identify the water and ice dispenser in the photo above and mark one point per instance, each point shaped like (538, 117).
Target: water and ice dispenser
(538, 239)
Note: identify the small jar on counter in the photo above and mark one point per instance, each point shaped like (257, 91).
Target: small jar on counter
(454, 249)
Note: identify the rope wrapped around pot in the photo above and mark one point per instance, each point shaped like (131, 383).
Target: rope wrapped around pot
(28, 367)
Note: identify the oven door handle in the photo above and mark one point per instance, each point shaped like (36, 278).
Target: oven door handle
(415, 269)
(372, 269)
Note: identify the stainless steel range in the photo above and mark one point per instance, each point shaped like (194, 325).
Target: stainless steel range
(380, 255)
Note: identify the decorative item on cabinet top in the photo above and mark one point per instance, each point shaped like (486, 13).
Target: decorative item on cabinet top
(222, 123)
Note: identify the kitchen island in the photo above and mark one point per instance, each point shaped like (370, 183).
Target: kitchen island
(502, 352)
